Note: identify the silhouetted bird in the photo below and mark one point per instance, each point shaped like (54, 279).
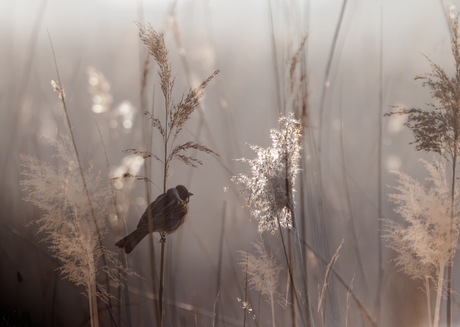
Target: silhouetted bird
(168, 213)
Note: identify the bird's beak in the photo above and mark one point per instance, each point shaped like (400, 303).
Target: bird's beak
(190, 194)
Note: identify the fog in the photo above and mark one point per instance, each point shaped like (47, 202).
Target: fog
(240, 106)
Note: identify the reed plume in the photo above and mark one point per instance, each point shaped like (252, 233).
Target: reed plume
(267, 192)
(423, 244)
(67, 222)
(176, 114)
(437, 128)
(263, 273)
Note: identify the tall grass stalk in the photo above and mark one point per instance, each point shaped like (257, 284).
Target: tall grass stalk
(269, 196)
(245, 290)
(281, 108)
(175, 116)
(380, 272)
(320, 233)
(219, 264)
(327, 275)
(352, 223)
(437, 129)
(18, 99)
(115, 208)
(313, 180)
(291, 276)
(156, 304)
(439, 289)
(327, 72)
(451, 236)
(144, 103)
(92, 289)
(428, 301)
(73, 225)
(298, 89)
(301, 267)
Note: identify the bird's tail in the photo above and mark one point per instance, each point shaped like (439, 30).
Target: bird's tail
(129, 242)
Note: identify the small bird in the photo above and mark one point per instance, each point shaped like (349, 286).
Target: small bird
(168, 213)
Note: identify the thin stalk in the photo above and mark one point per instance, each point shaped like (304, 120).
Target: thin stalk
(19, 98)
(451, 242)
(162, 278)
(301, 265)
(92, 299)
(352, 222)
(428, 301)
(153, 269)
(289, 290)
(82, 175)
(328, 72)
(363, 310)
(245, 291)
(156, 307)
(92, 293)
(303, 220)
(53, 301)
(272, 306)
(291, 275)
(114, 198)
(163, 235)
(302, 269)
(219, 265)
(216, 305)
(439, 294)
(348, 301)
(449, 23)
(314, 197)
(379, 174)
(80, 167)
(275, 58)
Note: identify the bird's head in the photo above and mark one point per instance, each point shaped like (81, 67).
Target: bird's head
(184, 194)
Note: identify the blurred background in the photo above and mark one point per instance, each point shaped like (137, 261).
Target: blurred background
(360, 59)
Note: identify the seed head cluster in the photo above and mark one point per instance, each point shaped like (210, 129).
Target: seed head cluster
(269, 188)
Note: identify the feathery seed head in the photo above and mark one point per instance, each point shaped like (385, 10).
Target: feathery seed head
(262, 269)
(269, 188)
(422, 243)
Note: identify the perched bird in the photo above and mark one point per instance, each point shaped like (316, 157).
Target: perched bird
(168, 213)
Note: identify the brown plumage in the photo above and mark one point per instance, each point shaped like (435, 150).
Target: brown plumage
(168, 213)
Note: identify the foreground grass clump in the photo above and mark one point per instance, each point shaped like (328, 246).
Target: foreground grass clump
(422, 243)
(437, 129)
(71, 228)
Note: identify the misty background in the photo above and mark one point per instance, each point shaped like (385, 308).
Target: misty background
(240, 107)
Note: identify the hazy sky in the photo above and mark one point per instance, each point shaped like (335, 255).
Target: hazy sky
(234, 36)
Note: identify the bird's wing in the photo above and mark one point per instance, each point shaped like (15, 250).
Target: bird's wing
(163, 206)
